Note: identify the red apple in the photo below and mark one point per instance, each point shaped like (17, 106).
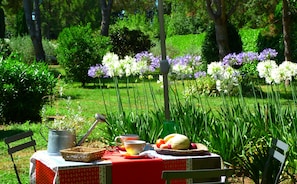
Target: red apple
(193, 146)
(169, 146)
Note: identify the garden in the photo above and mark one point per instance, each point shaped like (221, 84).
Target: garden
(235, 112)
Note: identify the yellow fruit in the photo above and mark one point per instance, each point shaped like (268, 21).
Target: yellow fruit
(179, 142)
(170, 136)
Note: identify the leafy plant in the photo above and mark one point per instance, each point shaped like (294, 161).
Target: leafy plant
(72, 120)
(5, 49)
(78, 49)
(22, 90)
(129, 42)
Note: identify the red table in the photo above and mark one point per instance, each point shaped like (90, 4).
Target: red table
(114, 168)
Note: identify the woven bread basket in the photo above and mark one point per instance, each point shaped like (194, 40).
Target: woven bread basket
(201, 150)
(82, 154)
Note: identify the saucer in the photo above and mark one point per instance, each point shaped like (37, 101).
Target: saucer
(127, 156)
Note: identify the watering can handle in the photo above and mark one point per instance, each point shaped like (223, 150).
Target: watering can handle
(99, 118)
(40, 131)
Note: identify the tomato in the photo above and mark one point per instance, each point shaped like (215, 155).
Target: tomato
(159, 142)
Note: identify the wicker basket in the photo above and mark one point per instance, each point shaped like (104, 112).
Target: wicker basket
(192, 152)
(201, 150)
(82, 154)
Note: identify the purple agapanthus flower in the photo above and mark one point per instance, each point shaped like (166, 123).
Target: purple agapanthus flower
(153, 62)
(267, 54)
(230, 59)
(92, 72)
(97, 71)
(200, 74)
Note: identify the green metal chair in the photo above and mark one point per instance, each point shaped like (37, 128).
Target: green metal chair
(275, 162)
(210, 176)
(17, 143)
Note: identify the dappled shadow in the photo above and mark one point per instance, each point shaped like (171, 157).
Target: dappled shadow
(106, 87)
(7, 133)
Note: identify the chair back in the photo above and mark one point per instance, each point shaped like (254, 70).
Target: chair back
(17, 143)
(220, 175)
(275, 162)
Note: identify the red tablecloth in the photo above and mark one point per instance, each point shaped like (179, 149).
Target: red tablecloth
(114, 169)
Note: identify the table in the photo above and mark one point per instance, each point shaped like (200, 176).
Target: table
(114, 168)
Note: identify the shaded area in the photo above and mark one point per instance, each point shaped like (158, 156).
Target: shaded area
(7, 133)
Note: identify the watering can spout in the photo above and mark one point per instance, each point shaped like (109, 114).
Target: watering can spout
(99, 118)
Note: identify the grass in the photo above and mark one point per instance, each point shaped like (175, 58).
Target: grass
(90, 99)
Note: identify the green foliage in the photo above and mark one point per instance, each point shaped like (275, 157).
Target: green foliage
(139, 21)
(147, 126)
(178, 23)
(21, 25)
(23, 47)
(57, 15)
(268, 40)
(185, 17)
(210, 51)
(253, 14)
(249, 39)
(253, 158)
(179, 45)
(22, 90)
(129, 42)
(49, 48)
(78, 49)
(2, 23)
(5, 49)
(204, 85)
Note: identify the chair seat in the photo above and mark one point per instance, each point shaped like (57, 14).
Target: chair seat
(206, 176)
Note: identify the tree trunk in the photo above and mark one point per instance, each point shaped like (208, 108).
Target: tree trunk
(286, 31)
(217, 11)
(105, 11)
(2, 23)
(222, 37)
(31, 8)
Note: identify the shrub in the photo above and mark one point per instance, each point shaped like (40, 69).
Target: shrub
(210, 51)
(22, 90)
(129, 42)
(139, 21)
(180, 24)
(78, 49)
(275, 41)
(23, 47)
(266, 40)
(5, 49)
(21, 28)
(49, 48)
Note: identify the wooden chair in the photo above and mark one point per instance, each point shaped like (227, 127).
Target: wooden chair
(275, 162)
(17, 143)
(217, 175)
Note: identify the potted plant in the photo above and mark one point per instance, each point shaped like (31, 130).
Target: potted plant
(63, 129)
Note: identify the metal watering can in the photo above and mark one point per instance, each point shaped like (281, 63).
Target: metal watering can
(62, 139)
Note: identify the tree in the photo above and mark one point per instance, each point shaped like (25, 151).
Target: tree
(217, 10)
(105, 12)
(119, 5)
(32, 13)
(288, 11)
(2, 23)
